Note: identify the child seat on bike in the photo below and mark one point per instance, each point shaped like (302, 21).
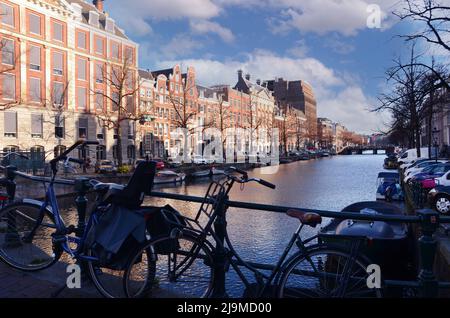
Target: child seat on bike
(132, 194)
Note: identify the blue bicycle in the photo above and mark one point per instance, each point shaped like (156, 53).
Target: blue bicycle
(34, 236)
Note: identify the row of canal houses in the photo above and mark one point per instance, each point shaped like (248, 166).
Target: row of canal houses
(64, 63)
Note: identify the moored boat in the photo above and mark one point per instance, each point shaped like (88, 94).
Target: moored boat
(168, 176)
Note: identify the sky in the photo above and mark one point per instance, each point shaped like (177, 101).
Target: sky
(337, 46)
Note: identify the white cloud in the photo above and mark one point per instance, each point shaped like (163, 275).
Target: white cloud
(205, 26)
(180, 45)
(338, 95)
(139, 12)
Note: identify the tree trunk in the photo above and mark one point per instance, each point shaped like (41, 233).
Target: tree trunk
(119, 146)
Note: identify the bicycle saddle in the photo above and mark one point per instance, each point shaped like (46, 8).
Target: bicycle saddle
(307, 218)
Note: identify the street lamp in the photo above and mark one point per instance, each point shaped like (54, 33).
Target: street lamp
(435, 142)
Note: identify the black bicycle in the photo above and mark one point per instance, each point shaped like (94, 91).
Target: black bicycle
(186, 259)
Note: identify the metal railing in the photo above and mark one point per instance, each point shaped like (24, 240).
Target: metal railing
(427, 220)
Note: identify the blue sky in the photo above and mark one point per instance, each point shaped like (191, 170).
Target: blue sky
(325, 42)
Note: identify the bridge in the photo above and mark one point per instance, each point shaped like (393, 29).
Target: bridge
(359, 150)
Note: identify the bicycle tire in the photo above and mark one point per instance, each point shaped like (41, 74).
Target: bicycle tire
(41, 252)
(326, 274)
(171, 284)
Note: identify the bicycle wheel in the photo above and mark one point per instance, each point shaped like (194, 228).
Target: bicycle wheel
(325, 273)
(183, 269)
(17, 248)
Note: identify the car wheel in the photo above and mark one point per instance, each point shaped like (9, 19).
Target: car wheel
(442, 204)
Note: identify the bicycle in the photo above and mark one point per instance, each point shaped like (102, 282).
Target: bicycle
(33, 235)
(188, 267)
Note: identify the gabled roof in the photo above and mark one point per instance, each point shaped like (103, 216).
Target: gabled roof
(146, 74)
(86, 7)
(167, 72)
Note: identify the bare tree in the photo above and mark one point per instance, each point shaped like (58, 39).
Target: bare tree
(433, 26)
(220, 119)
(124, 86)
(406, 102)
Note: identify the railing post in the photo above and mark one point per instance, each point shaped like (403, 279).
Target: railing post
(11, 236)
(82, 187)
(220, 253)
(427, 252)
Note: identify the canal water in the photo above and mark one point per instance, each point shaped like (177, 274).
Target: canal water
(258, 236)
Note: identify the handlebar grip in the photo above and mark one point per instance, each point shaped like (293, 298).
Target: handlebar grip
(267, 184)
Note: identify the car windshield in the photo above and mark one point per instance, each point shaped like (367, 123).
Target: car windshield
(106, 162)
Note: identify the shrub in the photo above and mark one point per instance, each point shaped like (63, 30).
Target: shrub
(124, 169)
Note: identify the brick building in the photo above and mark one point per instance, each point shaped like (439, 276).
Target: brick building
(52, 54)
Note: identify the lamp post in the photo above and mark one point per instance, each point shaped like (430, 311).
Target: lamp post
(435, 142)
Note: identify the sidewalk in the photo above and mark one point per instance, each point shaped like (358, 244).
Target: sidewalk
(17, 284)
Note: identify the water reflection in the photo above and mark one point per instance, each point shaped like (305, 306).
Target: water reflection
(328, 184)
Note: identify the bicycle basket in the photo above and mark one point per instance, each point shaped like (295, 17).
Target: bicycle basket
(160, 223)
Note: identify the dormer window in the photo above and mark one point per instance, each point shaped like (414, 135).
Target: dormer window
(93, 18)
(109, 25)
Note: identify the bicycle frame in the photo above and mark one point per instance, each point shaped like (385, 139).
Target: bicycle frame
(61, 236)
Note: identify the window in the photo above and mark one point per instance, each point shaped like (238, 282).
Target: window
(58, 61)
(7, 14)
(115, 50)
(10, 124)
(36, 125)
(58, 94)
(59, 126)
(99, 43)
(35, 23)
(9, 86)
(81, 69)
(83, 128)
(129, 56)
(81, 40)
(81, 98)
(7, 47)
(35, 89)
(35, 58)
(58, 31)
(99, 100)
(99, 73)
(131, 129)
(101, 152)
(58, 150)
(130, 104)
(115, 101)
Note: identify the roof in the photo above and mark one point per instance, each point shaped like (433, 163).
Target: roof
(167, 72)
(86, 7)
(146, 74)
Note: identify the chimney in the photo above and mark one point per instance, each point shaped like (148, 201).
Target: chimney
(240, 74)
(247, 77)
(99, 5)
(258, 81)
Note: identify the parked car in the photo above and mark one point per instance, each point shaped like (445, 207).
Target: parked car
(411, 154)
(420, 166)
(439, 199)
(444, 179)
(105, 166)
(438, 172)
(199, 160)
(425, 171)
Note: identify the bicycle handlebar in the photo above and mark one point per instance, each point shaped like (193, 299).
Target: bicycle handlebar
(245, 179)
(63, 156)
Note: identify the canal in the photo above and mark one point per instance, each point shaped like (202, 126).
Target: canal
(327, 183)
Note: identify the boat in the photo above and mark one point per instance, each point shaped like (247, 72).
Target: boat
(388, 186)
(388, 244)
(201, 174)
(168, 176)
(324, 154)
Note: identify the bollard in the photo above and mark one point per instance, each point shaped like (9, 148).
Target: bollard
(220, 253)
(427, 252)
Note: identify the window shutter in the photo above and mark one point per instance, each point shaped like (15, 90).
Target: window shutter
(35, 89)
(35, 55)
(58, 61)
(9, 86)
(36, 124)
(35, 23)
(10, 122)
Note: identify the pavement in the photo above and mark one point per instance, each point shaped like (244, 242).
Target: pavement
(42, 284)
